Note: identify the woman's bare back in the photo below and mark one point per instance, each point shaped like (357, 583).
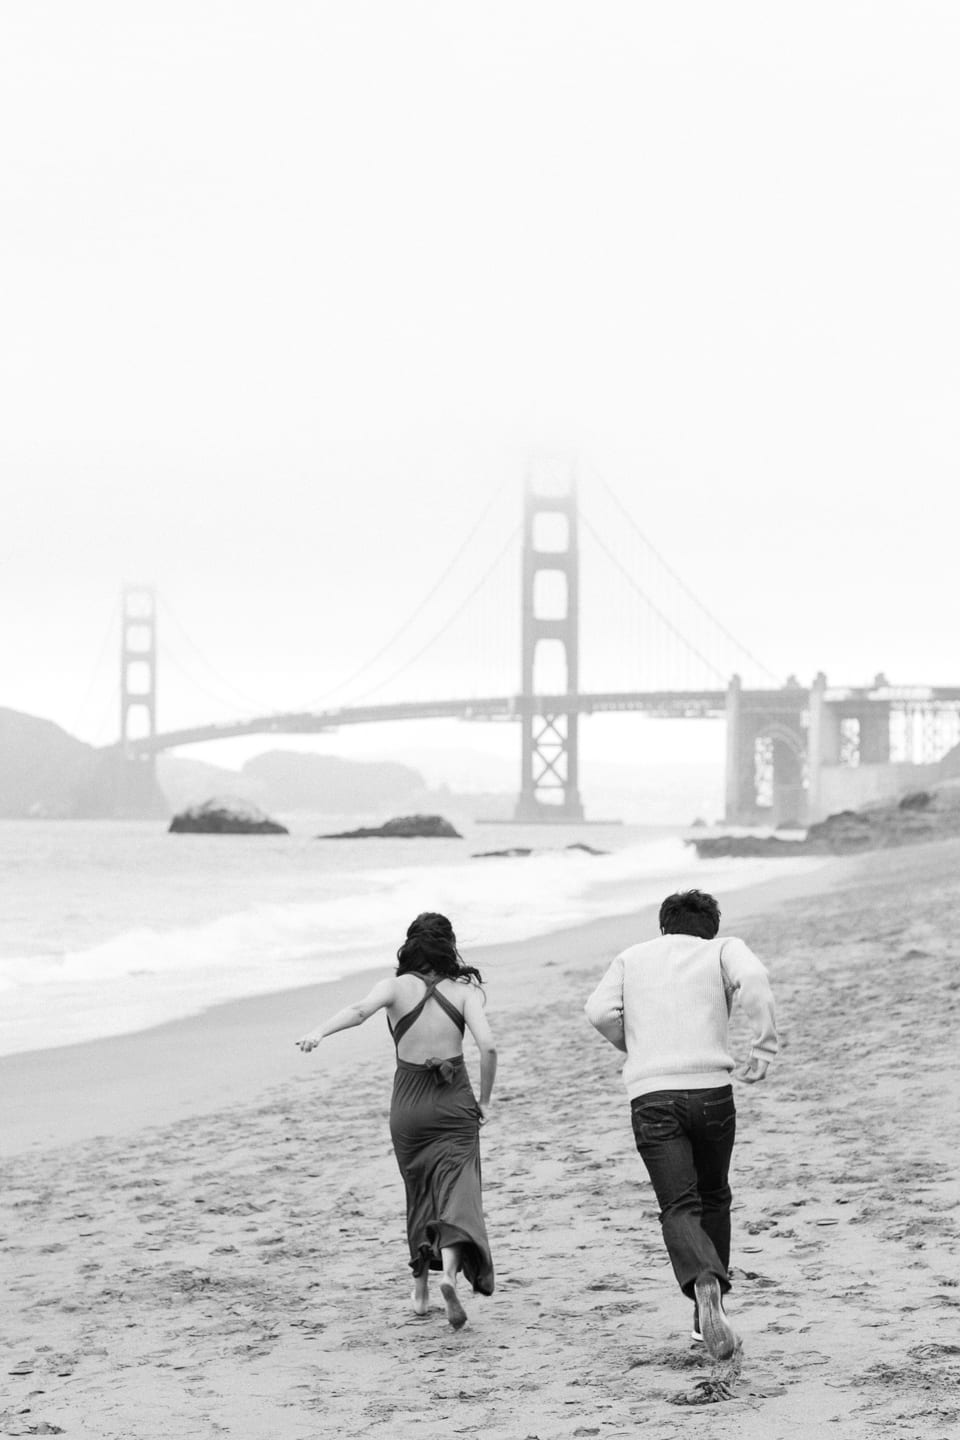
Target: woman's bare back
(433, 1035)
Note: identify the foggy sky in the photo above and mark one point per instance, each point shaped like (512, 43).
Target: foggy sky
(294, 291)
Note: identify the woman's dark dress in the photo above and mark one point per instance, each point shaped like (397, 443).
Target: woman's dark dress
(435, 1127)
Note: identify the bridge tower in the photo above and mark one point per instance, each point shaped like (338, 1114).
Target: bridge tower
(549, 780)
(136, 793)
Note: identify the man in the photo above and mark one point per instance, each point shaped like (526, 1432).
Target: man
(667, 1003)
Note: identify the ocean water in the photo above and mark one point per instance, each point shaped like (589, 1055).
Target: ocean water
(111, 927)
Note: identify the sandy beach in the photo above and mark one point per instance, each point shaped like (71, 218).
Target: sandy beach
(202, 1229)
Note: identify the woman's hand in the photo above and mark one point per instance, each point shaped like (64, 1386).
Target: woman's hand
(486, 1112)
(307, 1043)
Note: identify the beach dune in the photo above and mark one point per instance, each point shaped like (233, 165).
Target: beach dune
(202, 1229)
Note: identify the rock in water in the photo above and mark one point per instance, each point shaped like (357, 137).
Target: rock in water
(224, 817)
(512, 850)
(916, 800)
(716, 847)
(404, 827)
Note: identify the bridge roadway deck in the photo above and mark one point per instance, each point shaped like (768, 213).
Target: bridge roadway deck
(672, 704)
(660, 704)
(665, 704)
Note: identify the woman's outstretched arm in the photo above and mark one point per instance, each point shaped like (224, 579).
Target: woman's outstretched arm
(380, 996)
(479, 1027)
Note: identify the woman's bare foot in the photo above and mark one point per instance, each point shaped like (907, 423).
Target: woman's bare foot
(455, 1311)
(421, 1295)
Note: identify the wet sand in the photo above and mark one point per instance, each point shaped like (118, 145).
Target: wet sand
(202, 1229)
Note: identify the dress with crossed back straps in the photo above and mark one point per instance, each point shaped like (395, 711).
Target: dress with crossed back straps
(434, 1124)
(412, 1016)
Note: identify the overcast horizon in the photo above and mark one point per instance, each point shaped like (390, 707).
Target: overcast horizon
(299, 295)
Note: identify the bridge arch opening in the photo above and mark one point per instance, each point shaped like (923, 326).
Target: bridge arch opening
(550, 668)
(139, 639)
(551, 595)
(780, 773)
(551, 532)
(139, 678)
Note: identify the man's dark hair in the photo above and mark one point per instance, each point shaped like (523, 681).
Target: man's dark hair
(690, 912)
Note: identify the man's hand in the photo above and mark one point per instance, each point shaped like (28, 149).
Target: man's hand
(754, 1069)
(307, 1043)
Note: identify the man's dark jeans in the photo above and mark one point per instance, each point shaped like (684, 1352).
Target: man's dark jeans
(685, 1139)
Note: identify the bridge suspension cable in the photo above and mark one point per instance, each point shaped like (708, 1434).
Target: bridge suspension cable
(414, 615)
(226, 687)
(220, 697)
(448, 623)
(653, 606)
(678, 579)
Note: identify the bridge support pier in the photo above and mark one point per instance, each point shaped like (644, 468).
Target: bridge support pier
(739, 781)
(823, 744)
(549, 777)
(873, 734)
(765, 757)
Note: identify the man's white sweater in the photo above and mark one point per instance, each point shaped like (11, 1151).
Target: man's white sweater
(667, 1004)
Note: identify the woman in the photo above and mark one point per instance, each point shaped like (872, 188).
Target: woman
(434, 1116)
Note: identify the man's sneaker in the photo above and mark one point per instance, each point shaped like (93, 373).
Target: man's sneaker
(714, 1326)
(695, 1332)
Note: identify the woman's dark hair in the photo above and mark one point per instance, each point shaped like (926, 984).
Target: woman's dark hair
(431, 949)
(690, 912)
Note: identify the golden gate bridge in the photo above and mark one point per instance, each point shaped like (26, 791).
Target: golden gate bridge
(793, 753)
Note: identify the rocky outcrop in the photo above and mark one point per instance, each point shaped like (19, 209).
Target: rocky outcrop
(224, 817)
(722, 847)
(512, 851)
(921, 815)
(404, 827)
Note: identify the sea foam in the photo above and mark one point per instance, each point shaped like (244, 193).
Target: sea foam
(149, 974)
